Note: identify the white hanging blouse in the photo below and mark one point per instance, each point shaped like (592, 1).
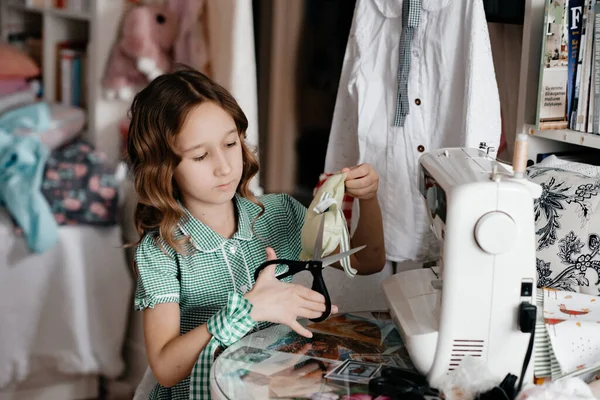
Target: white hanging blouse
(453, 102)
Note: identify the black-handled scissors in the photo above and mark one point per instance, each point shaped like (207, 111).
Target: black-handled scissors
(315, 267)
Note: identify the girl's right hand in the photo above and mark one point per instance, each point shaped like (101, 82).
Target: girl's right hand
(281, 303)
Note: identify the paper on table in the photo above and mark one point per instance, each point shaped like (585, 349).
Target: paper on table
(573, 324)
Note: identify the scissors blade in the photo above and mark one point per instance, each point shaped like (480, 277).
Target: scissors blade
(337, 257)
(318, 252)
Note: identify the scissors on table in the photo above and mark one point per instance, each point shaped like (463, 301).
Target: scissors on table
(314, 266)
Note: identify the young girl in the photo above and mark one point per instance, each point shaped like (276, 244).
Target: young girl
(203, 233)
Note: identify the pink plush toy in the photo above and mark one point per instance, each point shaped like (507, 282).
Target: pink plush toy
(143, 50)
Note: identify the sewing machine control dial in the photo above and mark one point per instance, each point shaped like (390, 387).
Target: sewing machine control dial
(496, 232)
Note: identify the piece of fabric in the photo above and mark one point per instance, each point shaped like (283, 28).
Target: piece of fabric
(227, 326)
(328, 203)
(570, 388)
(213, 267)
(454, 102)
(333, 189)
(567, 219)
(14, 100)
(15, 63)
(54, 124)
(347, 202)
(545, 364)
(66, 310)
(64, 124)
(233, 322)
(22, 161)
(572, 323)
(592, 171)
(12, 85)
(31, 117)
(80, 187)
(411, 12)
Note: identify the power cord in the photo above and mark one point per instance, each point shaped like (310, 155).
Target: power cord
(506, 390)
(529, 312)
(399, 383)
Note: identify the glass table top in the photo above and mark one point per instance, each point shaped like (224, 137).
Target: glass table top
(346, 350)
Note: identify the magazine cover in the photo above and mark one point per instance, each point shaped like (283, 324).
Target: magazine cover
(361, 327)
(588, 31)
(324, 346)
(554, 69)
(575, 23)
(579, 110)
(595, 92)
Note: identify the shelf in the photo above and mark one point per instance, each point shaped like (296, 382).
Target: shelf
(60, 12)
(527, 103)
(567, 136)
(97, 24)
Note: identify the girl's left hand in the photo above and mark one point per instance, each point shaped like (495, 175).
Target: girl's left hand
(362, 181)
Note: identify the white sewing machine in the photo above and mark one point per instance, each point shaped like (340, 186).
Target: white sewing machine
(468, 304)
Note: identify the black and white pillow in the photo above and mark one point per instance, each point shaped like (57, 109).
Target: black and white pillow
(567, 218)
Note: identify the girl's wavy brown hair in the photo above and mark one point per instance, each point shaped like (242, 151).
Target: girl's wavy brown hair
(157, 114)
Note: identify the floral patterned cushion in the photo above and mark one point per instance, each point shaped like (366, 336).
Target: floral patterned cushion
(79, 187)
(567, 217)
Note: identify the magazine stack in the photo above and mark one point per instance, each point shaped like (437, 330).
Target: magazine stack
(569, 95)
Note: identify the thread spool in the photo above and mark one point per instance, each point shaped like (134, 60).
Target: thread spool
(520, 155)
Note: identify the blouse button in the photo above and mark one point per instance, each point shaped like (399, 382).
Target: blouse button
(232, 249)
(418, 102)
(421, 148)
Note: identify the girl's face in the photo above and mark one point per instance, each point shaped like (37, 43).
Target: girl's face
(211, 156)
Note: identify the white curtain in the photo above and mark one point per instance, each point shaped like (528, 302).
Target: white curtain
(232, 59)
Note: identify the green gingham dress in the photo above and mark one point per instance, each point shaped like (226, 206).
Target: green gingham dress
(209, 280)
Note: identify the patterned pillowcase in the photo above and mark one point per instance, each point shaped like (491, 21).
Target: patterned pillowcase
(79, 187)
(567, 218)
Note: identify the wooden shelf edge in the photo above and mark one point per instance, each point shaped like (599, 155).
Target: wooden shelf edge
(567, 136)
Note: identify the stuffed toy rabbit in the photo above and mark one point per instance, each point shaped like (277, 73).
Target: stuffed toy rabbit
(143, 50)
